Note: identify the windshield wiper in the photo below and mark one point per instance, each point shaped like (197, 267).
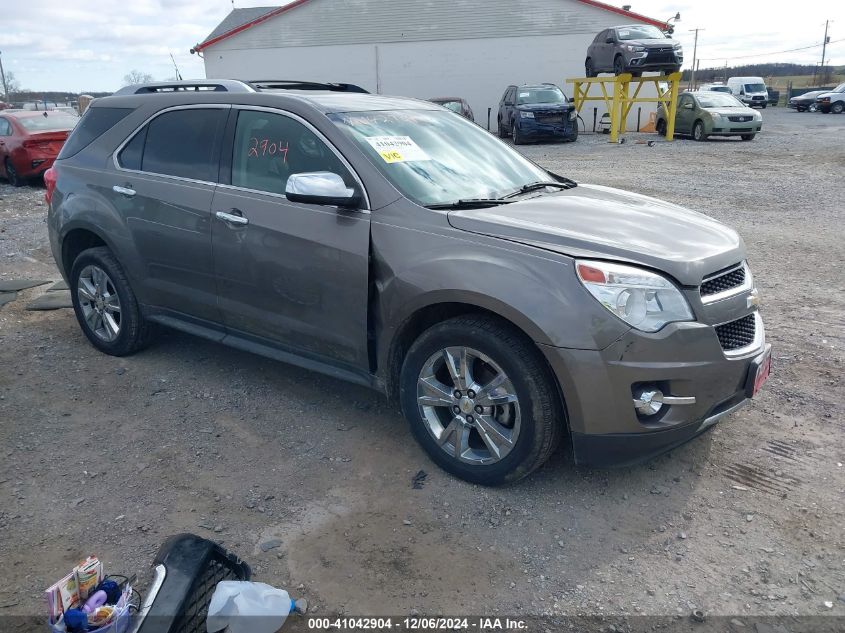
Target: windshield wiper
(534, 186)
(469, 203)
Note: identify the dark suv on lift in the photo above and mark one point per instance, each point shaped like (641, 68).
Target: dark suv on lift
(635, 49)
(388, 242)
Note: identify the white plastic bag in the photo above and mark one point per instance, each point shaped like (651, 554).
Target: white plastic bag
(247, 607)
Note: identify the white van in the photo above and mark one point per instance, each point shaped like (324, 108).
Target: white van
(750, 90)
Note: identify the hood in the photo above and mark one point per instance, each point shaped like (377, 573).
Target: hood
(830, 94)
(606, 223)
(539, 107)
(727, 111)
(652, 43)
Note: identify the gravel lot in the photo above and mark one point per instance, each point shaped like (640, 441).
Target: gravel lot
(112, 455)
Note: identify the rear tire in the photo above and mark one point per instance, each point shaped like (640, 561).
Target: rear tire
(97, 281)
(503, 133)
(534, 425)
(698, 131)
(11, 174)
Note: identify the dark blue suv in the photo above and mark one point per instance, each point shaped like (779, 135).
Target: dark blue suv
(529, 113)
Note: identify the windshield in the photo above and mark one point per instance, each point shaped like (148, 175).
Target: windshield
(643, 32)
(454, 106)
(434, 157)
(755, 87)
(718, 100)
(48, 121)
(552, 94)
(839, 88)
(719, 89)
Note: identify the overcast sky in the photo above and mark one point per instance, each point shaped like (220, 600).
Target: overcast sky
(66, 45)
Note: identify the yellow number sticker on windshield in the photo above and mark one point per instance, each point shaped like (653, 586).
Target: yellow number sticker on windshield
(397, 149)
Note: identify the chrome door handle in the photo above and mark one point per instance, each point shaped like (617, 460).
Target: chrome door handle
(232, 218)
(123, 191)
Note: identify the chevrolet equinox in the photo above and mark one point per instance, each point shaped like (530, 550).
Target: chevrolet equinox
(388, 242)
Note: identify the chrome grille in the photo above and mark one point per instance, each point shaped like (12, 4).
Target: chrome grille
(724, 281)
(739, 119)
(737, 334)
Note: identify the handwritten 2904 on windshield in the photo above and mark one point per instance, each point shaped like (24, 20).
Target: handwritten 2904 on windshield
(266, 147)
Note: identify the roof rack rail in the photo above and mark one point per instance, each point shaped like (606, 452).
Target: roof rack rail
(292, 84)
(210, 85)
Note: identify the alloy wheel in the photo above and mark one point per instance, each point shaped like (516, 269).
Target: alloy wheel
(468, 405)
(99, 302)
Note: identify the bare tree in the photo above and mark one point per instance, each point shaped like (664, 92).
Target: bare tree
(12, 84)
(135, 77)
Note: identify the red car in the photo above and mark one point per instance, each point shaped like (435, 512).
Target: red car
(30, 142)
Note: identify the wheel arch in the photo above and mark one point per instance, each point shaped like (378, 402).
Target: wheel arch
(75, 241)
(419, 319)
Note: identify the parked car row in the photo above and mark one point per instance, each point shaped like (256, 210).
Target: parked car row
(825, 101)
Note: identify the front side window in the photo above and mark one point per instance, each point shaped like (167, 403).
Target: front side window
(434, 157)
(552, 94)
(177, 143)
(270, 147)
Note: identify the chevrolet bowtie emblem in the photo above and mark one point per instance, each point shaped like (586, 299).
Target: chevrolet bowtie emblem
(753, 299)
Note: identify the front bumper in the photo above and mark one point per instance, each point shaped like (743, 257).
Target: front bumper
(532, 129)
(648, 61)
(735, 128)
(683, 360)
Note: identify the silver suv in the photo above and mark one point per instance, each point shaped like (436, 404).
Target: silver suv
(634, 48)
(387, 242)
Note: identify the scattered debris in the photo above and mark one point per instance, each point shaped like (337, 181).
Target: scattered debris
(51, 301)
(266, 546)
(418, 480)
(12, 285)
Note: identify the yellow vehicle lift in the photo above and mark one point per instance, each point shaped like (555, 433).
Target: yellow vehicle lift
(620, 100)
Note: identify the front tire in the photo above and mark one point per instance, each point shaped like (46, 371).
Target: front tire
(837, 107)
(480, 400)
(516, 135)
(589, 71)
(748, 137)
(698, 131)
(105, 305)
(661, 127)
(618, 65)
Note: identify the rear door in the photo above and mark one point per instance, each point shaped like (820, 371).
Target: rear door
(290, 274)
(163, 186)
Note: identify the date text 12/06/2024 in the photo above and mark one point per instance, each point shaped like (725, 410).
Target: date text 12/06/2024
(418, 623)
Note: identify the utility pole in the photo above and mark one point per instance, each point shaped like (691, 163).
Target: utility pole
(694, 52)
(824, 49)
(3, 76)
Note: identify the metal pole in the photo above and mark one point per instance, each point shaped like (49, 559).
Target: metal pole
(3, 76)
(824, 48)
(694, 53)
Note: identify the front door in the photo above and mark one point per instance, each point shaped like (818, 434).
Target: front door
(162, 189)
(684, 115)
(290, 274)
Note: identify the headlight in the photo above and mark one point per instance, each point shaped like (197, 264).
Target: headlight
(758, 116)
(677, 47)
(635, 49)
(526, 115)
(641, 298)
(716, 116)
(573, 114)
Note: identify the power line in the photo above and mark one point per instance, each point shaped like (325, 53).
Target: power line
(791, 50)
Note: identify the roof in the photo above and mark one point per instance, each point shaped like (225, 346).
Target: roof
(240, 20)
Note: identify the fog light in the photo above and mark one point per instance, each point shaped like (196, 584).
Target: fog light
(649, 401)
(37, 162)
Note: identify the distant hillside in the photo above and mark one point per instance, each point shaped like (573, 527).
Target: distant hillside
(26, 96)
(773, 69)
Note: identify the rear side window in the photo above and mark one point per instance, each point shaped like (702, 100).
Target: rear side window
(94, 123)
(5, 128)
(178, 143)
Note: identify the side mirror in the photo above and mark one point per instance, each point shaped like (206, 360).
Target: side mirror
(321, 187)
(608, 40)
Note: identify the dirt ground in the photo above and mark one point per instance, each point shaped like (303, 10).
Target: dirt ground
(111, 456)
